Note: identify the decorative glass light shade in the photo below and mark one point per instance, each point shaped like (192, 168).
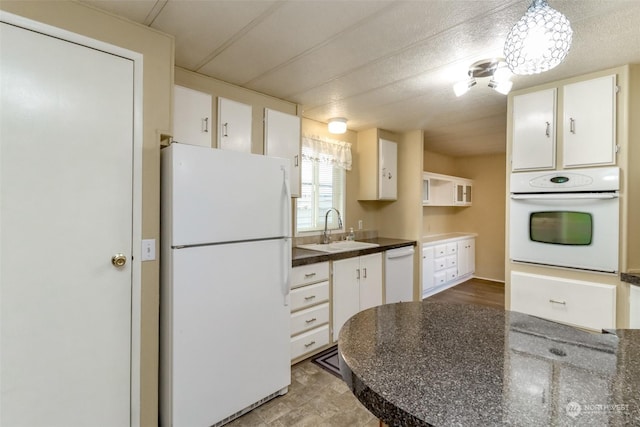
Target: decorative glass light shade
(539, 41)
(337, 125)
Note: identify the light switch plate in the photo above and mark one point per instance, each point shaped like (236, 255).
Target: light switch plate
(148, 249)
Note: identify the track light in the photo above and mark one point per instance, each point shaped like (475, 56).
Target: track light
(495, 68)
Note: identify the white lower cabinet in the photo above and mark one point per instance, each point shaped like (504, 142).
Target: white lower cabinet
(585, 304)
(446, 263)
(309, 309)
(357, 285)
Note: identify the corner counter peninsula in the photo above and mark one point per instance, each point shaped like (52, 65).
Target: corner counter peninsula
(434, 364)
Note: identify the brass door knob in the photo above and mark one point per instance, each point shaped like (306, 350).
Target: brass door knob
(119, 260)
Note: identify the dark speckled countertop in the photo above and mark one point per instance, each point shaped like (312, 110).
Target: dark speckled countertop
(633, 278)
(435, 364)
(306, 256)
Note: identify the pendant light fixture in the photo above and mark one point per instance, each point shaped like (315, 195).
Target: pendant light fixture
(337, 125)
(539, 41)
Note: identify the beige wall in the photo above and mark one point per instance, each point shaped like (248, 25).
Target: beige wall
(486, 216)
(157, 49)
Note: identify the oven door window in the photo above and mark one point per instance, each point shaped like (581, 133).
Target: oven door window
(561, 228)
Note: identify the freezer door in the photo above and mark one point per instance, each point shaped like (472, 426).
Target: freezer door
(230, 329)
(212, 195)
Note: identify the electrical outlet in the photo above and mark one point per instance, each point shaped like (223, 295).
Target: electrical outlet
(359, 224)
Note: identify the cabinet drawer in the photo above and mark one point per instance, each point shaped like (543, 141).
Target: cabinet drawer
(309, 295)
(585, 304)
(309, 341)
(441, 250)
(452, 248)
(311, 273)
(309, 318)
(452, 261)
(452, 274)
(440, 278)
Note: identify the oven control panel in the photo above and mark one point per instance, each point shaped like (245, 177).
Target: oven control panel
(592, 179)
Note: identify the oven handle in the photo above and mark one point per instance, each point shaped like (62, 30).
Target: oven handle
(564, 196)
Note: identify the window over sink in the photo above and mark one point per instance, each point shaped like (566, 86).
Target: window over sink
(323, 183)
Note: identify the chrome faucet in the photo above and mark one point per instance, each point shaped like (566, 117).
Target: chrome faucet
(326, 236)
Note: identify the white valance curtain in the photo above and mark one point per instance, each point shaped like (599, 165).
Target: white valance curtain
(326, 150)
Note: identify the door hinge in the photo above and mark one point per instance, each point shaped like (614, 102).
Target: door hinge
(617, 88)
(618, 148)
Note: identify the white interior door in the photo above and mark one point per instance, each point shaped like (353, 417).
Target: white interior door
(66, 154)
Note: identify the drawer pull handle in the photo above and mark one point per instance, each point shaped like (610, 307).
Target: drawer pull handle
(309, 298)
(553, 301)
(310, 344)
(306, 276)
(311, 320)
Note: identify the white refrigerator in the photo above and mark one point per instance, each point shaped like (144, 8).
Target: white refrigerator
(226, 262)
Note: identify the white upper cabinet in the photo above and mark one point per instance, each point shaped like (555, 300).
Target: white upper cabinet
(378, 169)
(234, 125)
(584, 133)
(534, 131)
(589, 131)
(282, 139)
(462, 192)
(388, 173)
(191, 116)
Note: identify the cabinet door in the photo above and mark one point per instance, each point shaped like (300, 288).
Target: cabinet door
(234, 125)
(346, 292)
(388, 165)
(534, 131)
(191, 116)
(370, 281)
(462, 194)
(282, 139)
(589, 122)
(428, 269)
(466, 257)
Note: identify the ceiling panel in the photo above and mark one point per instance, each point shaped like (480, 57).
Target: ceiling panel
(381, 63)
(292, 30)
(202, 28)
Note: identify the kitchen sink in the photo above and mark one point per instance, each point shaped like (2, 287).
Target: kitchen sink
(339, 246)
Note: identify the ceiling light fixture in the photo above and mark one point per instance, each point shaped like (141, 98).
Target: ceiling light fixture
(337, 125)
(495, 68)
(539, 41)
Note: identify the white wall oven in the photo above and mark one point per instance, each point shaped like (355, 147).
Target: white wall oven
(566, 218)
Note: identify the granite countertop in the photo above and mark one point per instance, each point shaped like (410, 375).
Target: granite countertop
(633, 278)
(306, 256)
(436, 364)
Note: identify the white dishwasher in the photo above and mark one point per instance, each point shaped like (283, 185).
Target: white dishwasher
(398, 276)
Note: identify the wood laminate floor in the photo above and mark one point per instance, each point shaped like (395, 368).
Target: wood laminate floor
(317, 398)
(473, 291)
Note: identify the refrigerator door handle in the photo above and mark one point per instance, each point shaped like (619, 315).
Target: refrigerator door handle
(287, 270)
(287, 232)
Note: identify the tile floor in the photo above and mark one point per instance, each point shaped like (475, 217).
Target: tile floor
(315, 399)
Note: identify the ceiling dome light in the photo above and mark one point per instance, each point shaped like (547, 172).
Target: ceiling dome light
(337, 125)
(539, 41)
